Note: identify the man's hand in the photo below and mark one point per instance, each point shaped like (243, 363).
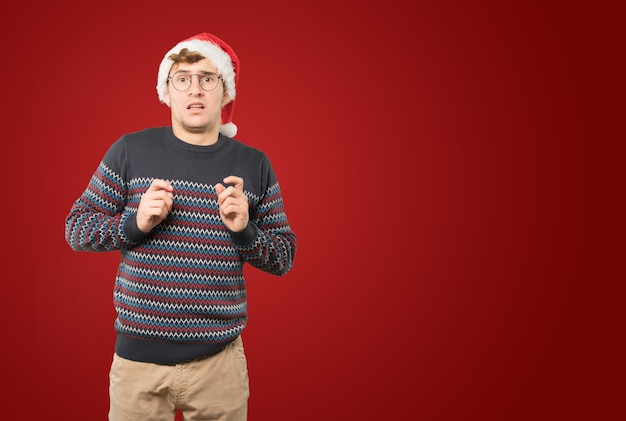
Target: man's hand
(233, 203)
(155, 204)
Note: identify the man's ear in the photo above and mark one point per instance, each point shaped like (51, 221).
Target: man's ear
(225, 99)
(166, 98)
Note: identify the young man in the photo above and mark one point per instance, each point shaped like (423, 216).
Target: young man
(187, 206)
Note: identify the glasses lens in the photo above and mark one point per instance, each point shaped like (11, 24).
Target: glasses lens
(181, 81)
(208, 81)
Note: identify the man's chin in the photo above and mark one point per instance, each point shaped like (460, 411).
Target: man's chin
(196, 129)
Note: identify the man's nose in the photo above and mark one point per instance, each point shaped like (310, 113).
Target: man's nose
(195, 88)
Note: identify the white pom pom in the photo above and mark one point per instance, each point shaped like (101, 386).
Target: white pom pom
(228, 129)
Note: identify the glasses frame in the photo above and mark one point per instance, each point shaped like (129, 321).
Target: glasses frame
(200, 75)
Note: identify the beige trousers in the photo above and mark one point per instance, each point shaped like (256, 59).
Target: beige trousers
(215, 388)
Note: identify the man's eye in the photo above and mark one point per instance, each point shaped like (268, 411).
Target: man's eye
(182, 79)
(207, 79)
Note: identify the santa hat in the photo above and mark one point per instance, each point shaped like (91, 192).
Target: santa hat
(222, 56)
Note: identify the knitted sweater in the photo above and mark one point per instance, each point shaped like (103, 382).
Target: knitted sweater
(180, 290)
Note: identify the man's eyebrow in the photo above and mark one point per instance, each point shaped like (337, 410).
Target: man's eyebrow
(204, 72)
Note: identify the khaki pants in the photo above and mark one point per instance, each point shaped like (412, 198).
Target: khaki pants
(215, 388)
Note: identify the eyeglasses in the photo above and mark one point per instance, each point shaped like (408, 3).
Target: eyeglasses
(181, 81)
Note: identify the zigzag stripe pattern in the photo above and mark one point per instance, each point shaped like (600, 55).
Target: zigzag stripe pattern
(153, 309)
(183, 282)
(215, 335)
(93, 224)
(274, 240)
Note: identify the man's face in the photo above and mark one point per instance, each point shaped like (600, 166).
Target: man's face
(195, 110)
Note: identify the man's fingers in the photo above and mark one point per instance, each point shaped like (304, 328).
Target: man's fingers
(158, 184)
(160, 190)
(231, 205)
(237, 182)
(233, 202)
(231, 194)
(156, 207)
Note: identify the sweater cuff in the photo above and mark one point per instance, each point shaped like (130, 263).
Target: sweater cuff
(132, 231)
(246, 237)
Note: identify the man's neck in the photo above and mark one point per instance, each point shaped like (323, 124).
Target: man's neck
(199, 139)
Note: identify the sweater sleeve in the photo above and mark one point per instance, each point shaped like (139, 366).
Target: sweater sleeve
(268, 243)
(96, 221)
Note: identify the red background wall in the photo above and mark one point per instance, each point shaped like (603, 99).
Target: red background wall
(454, 172)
